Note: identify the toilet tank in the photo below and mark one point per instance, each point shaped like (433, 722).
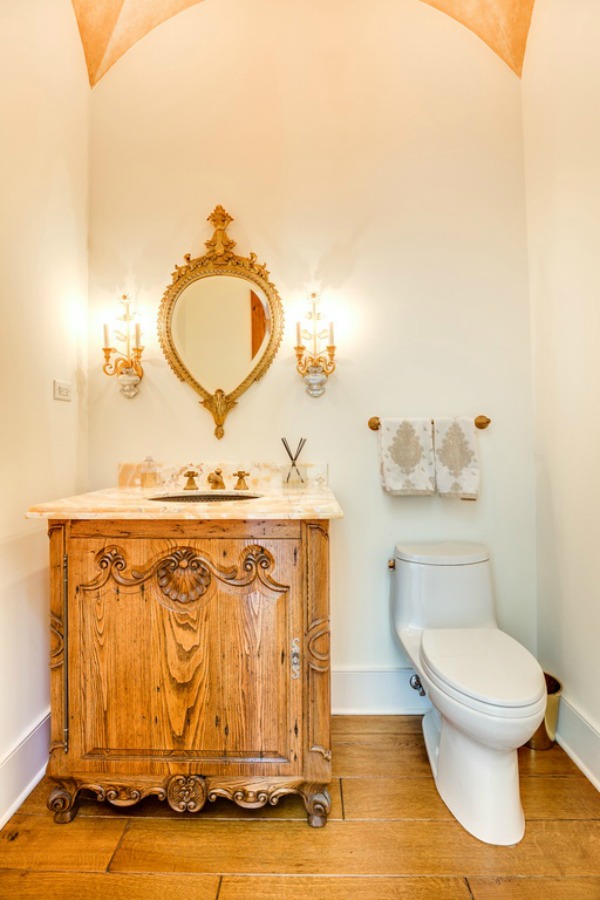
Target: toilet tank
(442, 585)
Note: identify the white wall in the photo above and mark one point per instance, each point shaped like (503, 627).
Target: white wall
(374, 154)
(561, 90)
(43, 296)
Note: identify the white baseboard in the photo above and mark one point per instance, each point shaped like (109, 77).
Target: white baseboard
(23, 767)
(580, 740)
(371, 692)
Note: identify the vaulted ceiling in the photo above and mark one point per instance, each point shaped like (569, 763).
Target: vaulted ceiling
(109, 28)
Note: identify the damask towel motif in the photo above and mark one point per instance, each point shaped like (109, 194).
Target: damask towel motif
(456, 463)
(406, 455)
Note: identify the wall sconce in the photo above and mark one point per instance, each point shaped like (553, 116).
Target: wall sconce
(316, 364)
(126, 365)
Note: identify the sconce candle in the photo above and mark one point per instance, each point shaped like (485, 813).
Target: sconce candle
(315, 367)
(126, 365)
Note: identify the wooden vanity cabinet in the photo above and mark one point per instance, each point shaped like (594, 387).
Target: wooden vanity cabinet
(190, 661)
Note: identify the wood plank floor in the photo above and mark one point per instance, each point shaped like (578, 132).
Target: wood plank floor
(389, 836)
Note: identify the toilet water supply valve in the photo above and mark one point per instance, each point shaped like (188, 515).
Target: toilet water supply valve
(415, 683)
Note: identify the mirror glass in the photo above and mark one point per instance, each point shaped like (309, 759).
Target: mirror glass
(221, 326)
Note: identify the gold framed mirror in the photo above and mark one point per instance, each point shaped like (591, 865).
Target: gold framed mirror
(220, 321)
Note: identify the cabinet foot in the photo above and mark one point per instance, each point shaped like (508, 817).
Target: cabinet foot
(317, 807)
(63, 803)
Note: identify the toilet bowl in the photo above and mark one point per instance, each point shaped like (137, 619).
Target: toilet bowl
(487, 691)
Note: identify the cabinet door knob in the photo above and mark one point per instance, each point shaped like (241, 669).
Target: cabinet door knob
(391, 563)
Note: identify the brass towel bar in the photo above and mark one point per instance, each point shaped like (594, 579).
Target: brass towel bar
(480, 422)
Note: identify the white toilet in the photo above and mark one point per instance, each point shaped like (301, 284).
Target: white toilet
(487, 691)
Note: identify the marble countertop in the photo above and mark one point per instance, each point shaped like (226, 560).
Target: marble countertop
(136, 503)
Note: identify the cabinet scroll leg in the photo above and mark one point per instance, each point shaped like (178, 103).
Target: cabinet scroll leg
(63, 802)
(317, 806)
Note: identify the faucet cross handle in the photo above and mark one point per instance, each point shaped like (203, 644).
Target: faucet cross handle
(240, 484)
(191, 484)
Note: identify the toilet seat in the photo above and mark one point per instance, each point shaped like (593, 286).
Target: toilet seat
(483, 668)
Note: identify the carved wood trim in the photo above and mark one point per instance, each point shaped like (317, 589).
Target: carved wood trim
(186, 793)
(316, 642)
(122, 794)
(318, 805)
(63, 798)
(325, 753)
(57, 534)
(184, 575)
(318, 659)
(248, 798)
(57, 644)
(189, 793)
(62, 801)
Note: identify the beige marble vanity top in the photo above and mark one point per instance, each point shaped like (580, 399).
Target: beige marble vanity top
(135, 503)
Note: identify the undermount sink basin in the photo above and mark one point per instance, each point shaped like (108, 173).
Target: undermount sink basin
(205, 497)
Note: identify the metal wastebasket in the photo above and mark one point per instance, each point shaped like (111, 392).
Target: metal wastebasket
(544, 737)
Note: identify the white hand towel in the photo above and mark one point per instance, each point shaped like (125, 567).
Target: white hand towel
(456, 463)
(406, 455)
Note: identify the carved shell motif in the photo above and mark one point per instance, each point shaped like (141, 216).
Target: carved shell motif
(184, 575)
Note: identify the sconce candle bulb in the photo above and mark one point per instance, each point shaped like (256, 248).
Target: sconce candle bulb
(315, 367)
(126, 365)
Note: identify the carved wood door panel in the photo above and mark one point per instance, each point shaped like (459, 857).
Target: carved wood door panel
(186, 652)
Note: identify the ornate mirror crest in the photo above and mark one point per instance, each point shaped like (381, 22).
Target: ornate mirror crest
(179, 332)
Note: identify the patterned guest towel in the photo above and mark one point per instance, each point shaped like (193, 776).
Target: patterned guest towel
(406, 455)
(456, 463)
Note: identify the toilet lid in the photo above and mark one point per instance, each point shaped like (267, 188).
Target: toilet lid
(485, 664)
(448, 553)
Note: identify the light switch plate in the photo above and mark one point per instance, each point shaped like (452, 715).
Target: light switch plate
(63, 391)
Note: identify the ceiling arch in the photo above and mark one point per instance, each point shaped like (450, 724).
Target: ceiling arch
(502, 24)
(109, 28)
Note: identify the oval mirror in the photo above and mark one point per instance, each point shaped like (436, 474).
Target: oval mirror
(220, 322)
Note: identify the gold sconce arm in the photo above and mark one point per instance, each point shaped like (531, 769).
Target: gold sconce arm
(306, 361)
(120, 363)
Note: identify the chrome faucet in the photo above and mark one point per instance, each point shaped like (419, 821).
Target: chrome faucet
(215, 480)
